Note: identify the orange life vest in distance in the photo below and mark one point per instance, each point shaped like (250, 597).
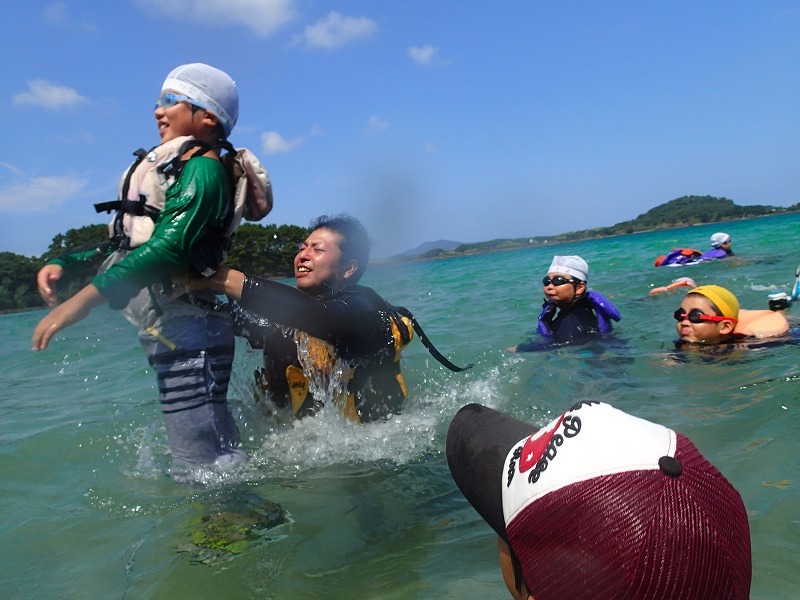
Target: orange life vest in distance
(677, 256)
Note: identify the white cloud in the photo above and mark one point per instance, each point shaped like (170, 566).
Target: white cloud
(272, 142)
(335, 30)
(39, 194)
(263, 17)
(376, 124)
(426, 56)
(57, 14)
(48, 95)
(11, 168)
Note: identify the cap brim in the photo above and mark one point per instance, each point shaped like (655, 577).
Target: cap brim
(478, 441)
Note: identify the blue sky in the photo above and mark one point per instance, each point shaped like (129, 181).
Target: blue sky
(429, 119)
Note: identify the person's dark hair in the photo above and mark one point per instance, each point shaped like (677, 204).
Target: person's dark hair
(218, 133)
(516, 567)
(355, 240)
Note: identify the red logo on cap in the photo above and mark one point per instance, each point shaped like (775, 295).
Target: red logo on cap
(533, 450)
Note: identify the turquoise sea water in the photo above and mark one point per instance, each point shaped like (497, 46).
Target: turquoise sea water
(371, 511)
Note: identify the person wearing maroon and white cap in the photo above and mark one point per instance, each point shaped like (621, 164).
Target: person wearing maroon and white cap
(601, 504)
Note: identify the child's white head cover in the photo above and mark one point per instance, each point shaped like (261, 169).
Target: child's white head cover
(208, 88)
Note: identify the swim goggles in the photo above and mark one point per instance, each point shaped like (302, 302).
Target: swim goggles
(168, 99)
(698, 316)
(558, 280)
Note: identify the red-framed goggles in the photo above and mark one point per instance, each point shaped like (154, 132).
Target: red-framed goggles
(698, 316)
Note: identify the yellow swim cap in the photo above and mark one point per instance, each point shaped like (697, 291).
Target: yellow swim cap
(724, 300)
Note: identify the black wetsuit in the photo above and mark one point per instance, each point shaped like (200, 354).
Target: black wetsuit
(567, 324)
(355, 321)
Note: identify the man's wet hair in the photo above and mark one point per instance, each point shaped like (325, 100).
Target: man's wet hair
(355, 243)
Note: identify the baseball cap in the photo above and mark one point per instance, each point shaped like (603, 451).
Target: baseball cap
(602, 504)
(722, 298)
(209, 88)
(570, 265)
(719, 238)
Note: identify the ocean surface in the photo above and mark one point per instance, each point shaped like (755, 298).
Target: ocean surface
(326, 508)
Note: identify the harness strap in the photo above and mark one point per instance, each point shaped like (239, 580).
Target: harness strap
(115, 204)
(424, 339)
(131, 207)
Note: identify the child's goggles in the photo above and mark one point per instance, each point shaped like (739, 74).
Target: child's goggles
(168, 99)
(698, 316)
(557, 280)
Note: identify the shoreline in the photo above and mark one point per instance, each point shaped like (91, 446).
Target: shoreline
(444, 254)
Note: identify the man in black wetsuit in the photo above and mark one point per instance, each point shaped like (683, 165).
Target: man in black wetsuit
(568, 313)
(329, 325)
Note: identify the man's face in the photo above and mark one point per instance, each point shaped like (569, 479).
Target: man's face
(318, 264)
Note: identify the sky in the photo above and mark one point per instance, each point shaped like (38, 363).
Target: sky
(426, 119)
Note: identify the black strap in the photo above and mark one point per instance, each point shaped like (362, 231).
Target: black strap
(116, 204)
(107, 207)
(405, 336)
(139, 154)
(426, 342)
(131, 207)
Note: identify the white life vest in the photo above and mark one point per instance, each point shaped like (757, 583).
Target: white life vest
(142, 191)
(141, 197)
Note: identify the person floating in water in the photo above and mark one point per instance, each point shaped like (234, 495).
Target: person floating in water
(571, 311)
(720, 247)
(710, 314)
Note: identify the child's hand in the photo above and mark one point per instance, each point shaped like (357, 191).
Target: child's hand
(64, 315)
(46, 280)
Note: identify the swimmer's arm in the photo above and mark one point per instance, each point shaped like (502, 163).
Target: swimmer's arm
(532, 346)
(226, 281)
(275, 301)
(761, 323)
(69, 312)
(680, 282)
(229, 282)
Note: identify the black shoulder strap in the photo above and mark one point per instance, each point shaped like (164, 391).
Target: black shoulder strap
(107, 207)
(424, 339)
(174, 167)
(139, 154)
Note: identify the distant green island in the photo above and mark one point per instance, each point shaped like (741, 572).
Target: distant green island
(681, 212)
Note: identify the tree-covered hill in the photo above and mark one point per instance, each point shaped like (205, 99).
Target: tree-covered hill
(681, 212)
(693, 210)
